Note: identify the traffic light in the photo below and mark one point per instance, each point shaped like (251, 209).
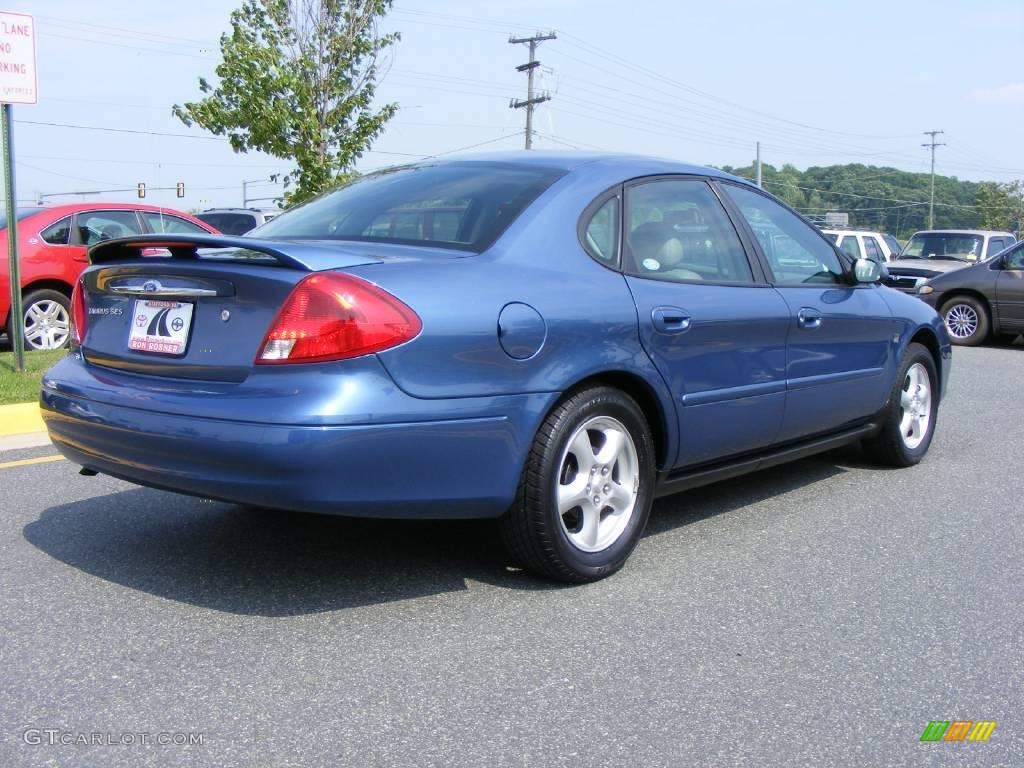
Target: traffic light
(181, 189)
(142, 189)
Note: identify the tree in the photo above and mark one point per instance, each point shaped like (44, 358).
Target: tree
(1001, 205)
(297, 80)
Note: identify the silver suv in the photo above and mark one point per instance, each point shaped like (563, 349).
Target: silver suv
(236, 221)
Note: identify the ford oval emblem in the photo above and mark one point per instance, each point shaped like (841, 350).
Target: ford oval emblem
(151, 286)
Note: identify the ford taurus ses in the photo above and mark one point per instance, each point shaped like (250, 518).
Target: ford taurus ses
(550, 339)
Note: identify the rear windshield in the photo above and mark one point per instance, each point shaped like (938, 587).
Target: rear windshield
(944, 245)
(455, 205)
(229, 223)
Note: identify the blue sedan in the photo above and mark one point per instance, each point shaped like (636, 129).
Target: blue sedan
(550, 339)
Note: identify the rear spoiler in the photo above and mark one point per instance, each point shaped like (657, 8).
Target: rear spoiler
(308, 257)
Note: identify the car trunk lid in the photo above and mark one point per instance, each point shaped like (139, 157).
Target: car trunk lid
(200, 309)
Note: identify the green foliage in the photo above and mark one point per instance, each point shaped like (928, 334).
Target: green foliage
(892, 200)
(296, 81)
(1002, 205)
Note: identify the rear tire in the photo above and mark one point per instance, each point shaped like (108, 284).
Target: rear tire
(909, 416)
(586, 490)
(966, 320)
(47, 317)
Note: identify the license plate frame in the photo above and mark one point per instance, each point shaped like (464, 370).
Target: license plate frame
(160, 327)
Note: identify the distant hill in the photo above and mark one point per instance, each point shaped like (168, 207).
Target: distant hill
(889, 199)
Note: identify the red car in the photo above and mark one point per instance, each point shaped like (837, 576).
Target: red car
(52, 245)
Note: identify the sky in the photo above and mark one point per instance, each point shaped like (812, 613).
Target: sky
(816, 83)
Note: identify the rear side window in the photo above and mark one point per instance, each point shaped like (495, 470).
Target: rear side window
(97, 226)
(893, 243)
(58, 233)
(677, 230)
(601, 234)
(796, 253)
(165, 223)
(465, 206)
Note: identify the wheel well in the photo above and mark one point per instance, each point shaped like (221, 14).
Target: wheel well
(928, 339)
(39, 285)
(42, 285)
(644, 396)
(946, 298)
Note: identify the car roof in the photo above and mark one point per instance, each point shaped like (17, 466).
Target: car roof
(854, 231)
(981, 232)
(65, 209)
(239, 210)
(566, 160)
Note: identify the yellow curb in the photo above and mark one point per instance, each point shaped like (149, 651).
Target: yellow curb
(29, 462)
(20, 418)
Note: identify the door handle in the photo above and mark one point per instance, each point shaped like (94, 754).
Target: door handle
(809, 318)
(670, 319)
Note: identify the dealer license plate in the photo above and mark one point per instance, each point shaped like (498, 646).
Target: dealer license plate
(160, 326)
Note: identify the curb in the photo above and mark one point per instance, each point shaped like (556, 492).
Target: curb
(20, 419)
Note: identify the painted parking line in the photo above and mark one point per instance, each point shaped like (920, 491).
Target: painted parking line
(27, 462)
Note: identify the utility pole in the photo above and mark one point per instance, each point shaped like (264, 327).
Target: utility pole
(532, 64)
(758, 171)
(931, 204)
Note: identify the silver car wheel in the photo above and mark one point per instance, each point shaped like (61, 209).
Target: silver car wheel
(47, 325)
(962, 321)
(915, 406)
(598, 484)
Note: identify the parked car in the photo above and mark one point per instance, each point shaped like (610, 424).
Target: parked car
(52, 245)
(863, 244)
(237, 221)
(981, 300)
(594, 331)
(933, 252)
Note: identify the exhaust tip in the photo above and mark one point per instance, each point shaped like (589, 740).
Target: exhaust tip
(88, 472)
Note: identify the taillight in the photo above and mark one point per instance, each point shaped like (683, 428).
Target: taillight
(331, 316)
(78, 313)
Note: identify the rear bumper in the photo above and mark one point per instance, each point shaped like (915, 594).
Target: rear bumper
(446, 468)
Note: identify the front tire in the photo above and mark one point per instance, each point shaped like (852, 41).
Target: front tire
(586, 490)
(967, 320)
(909, 417)
(47, 318)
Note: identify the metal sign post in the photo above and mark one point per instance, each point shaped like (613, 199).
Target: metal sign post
(17, 86)
(15, 330)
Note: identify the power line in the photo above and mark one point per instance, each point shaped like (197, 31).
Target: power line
(121, 130)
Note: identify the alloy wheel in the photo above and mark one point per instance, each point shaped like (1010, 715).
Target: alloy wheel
(599, 480)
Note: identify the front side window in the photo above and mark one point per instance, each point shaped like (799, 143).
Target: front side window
(58, 233)
(97, 226)
(1015, 259)
(165, 223)
(461, 205)
(849, 246)
(678, 230)
(601, 234)
(872, 250)
(944, 245)
(796, 253)
(996, 244)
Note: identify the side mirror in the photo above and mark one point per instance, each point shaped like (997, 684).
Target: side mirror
(867, 271)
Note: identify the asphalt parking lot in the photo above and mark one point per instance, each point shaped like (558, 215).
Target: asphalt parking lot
(816, 614)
